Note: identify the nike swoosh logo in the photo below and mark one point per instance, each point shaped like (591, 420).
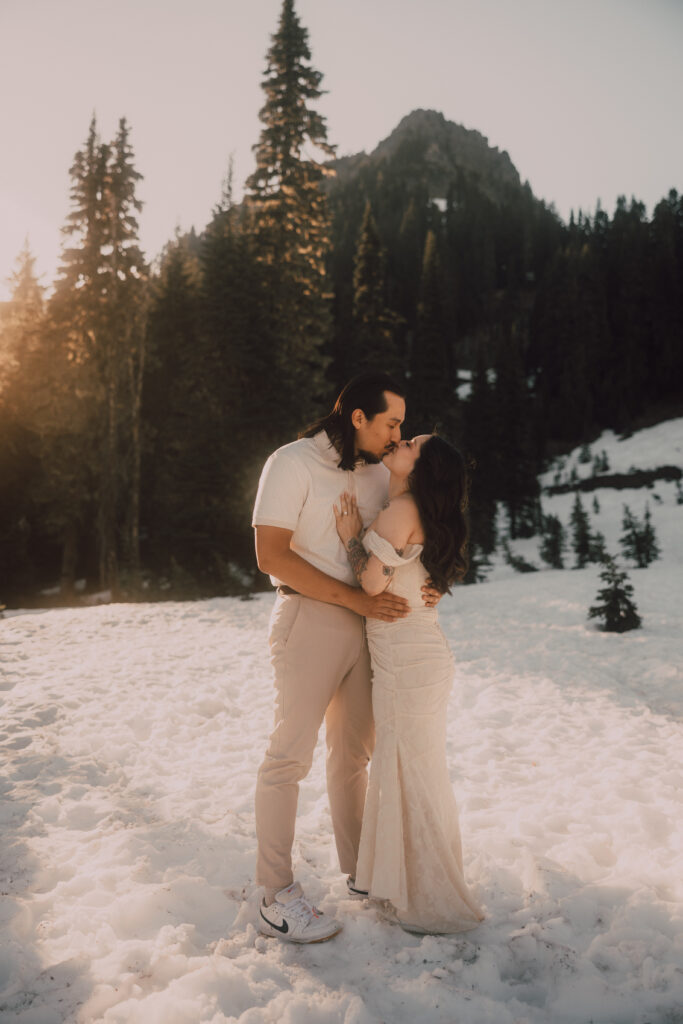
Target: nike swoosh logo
(284, 927)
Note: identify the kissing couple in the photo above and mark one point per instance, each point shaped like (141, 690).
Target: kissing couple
(362, 533)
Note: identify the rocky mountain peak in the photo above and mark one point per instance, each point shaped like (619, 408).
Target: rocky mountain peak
(425, 143)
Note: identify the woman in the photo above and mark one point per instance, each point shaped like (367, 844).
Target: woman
(410, 850)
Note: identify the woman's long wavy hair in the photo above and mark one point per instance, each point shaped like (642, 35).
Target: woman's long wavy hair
(439, 484)
(366, 391)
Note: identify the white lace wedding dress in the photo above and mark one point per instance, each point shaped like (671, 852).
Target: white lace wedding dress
(410, 848)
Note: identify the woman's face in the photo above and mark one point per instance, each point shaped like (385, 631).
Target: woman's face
(402, 459)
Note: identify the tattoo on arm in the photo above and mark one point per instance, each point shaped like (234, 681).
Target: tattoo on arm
(358, 556)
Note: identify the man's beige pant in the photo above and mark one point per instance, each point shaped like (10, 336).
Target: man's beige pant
(322, 670)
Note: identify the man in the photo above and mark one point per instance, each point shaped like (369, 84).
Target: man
(318, 649)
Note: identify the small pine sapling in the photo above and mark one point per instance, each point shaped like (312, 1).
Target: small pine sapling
(479, 565)
(596, 505)
(554, 542)
(581, 534)
(639, 541)
(596, 546)
(517, 562)
(650, 546)
(615, 606)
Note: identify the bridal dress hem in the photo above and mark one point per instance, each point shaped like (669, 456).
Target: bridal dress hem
(410, 848)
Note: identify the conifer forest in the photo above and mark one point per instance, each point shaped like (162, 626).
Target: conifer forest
(139, 401)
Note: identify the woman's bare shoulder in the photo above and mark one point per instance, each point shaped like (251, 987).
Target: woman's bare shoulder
(399, 522)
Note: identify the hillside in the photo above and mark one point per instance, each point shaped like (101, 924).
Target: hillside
(645, 451)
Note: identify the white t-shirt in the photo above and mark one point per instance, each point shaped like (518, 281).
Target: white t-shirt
(300, 483)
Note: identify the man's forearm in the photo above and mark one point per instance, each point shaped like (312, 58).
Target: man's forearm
(303, 577)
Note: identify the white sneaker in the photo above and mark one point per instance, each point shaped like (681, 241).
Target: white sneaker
(292, 918)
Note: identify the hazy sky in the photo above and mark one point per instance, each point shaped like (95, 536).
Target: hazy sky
(585, 95)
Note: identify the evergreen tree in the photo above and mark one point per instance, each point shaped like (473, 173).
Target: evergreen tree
(515, 561)
(231, 328)
(181, 441)
(45, 424)
(616, 608)
(98, 309)
(374, 326)
(639, 541)
(22, 318)
(517, 463)
(291, 224)
(596, 505)
(581, 534)
(27, 301)
(665, 277)
(623, 359)
(479, 565)
(126, 357)
(432, 395)
(19, 338)
(597, 548)
(560, 348)
(554, 542)
(479, 445)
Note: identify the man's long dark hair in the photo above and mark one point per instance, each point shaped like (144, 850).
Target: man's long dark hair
(366, 392)
(439, 485)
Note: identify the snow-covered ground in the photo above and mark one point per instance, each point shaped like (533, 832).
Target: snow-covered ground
(131, 734)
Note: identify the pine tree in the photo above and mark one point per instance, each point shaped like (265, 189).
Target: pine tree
(651, 549)
(432, 395)
(624, 362)
(45, 425)
(616, 608)
(98, 309)
(515, 561)
(231, 328)
(639, 541)
(517, 463)
(126, 356)
(22, 318)
(560, 349)
(181, 457)
(581, 535)
(665, 273)
(554, 542)
(27, 301)
(291, 223)
(374, 326)
(479, 448)
(597, 548)
(20, 337)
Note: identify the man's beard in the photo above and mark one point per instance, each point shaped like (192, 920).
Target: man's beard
(371, 459)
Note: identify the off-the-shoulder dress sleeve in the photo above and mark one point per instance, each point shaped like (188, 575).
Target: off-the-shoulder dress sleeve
(387, 554)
